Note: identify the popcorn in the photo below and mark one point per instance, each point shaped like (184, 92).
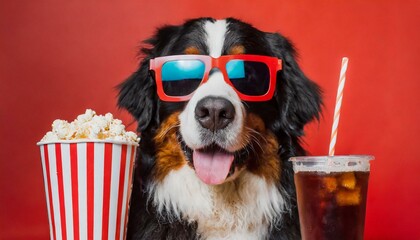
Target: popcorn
(91, 127)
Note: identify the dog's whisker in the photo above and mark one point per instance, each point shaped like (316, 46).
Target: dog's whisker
(256, 137)
(255, 132)
(163, 133)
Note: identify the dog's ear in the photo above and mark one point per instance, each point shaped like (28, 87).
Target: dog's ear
(138, 93)
(298, 97)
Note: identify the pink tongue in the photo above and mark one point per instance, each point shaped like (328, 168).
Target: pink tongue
(212, 167)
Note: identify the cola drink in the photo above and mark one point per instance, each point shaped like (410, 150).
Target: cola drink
(332, 196)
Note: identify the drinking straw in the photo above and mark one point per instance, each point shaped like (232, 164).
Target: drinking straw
(338, 101)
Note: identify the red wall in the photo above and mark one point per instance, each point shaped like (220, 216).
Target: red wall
(58, 59)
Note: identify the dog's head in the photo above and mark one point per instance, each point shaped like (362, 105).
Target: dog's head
(220, 96)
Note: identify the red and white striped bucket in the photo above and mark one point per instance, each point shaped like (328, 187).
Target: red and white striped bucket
(88, 188)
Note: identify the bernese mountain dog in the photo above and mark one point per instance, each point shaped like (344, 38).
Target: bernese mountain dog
(221, 107)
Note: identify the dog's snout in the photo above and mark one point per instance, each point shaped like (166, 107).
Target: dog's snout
(214, 113)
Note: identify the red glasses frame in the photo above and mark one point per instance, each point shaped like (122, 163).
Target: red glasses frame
(274, 64)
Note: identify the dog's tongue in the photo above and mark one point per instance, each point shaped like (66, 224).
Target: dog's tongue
(212, 167)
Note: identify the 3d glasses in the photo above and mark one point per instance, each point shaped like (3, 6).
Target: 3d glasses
(253, 77)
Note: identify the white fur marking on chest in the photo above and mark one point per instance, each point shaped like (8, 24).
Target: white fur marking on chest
(242, 209)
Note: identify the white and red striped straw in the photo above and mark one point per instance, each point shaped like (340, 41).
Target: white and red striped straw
(338, 101)
(88, 187)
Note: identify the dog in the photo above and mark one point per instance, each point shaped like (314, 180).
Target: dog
(220, 107)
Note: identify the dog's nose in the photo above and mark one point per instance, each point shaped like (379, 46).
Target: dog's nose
(214, 113)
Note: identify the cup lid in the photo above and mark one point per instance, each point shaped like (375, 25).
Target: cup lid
(343, 163)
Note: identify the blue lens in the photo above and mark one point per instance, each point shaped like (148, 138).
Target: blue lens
(249, 77)
(182, 77)
(235, 69)
(183, 70)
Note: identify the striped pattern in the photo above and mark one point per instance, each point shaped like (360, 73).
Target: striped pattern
(338, 101)
(87, 188)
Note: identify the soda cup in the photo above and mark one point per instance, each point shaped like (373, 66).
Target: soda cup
(88, 187)
(331, 195)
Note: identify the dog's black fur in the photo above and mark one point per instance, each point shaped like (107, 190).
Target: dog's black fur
(296, 102)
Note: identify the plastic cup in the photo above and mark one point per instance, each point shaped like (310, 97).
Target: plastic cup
(88, 186)
(331, 195)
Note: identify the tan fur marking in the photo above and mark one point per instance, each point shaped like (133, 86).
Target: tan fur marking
(192, 50)
(169, 155)
(238, 49)
(266, 162)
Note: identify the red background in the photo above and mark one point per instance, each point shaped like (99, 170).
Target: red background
(58, 58)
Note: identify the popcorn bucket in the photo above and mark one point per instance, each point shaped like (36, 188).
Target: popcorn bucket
(88, 187)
